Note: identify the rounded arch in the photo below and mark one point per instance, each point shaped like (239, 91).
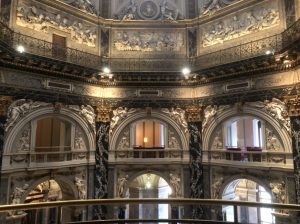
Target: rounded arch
(247, 111)
(154, 115)
(64, 114)
(231, 179)
(140, 173)
(67, 187)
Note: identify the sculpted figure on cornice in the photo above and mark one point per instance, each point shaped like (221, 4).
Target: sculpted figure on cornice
(118, 115)
(210, 112)
(148, 41)
(208, 7)
(178, 115)
(19, 108)
(149, 10)
(85, 5)
(39, 19)
(240, 25)
(275, 108)
(87, 112)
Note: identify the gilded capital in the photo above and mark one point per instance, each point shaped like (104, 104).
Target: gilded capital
(5, 101)
(193, 113)
(103, 112)
(293, 105)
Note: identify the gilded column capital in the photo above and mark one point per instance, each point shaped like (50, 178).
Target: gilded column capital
(103, 112)
(5, 101)
(293, 105)
(193, 113)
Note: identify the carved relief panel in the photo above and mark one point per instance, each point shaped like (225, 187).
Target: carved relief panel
(41, 18)
(148, 42)
(251, 20)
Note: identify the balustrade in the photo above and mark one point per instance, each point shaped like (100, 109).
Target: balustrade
(275, 43)
(274, 158)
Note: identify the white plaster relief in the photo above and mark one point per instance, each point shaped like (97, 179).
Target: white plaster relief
(145, 41)
(241, 24)
(40, 20)
(178, 115)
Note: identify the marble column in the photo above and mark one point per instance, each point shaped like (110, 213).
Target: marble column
(101, 160)
(293, 104)
(4, 104)
(196, 167)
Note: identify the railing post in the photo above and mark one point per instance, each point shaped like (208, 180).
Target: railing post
(235, 212)
(60, 215)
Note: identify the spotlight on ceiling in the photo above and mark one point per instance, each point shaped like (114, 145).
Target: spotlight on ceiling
(20, 49)
(268, 52)
(106, 70)
(186, 71)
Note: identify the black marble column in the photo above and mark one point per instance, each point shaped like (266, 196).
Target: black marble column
(101, 171)
(196, 168)
(295, 125)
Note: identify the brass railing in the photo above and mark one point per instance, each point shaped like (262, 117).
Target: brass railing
(283, 209)
(274, 44)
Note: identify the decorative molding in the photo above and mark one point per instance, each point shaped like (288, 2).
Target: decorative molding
(39, 19)
(103, 112)
(293, 104)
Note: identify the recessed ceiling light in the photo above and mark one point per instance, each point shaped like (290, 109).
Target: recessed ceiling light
(20, 49)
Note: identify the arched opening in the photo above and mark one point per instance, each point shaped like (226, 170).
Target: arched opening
(48, 190)
(243, 132)
(248, 190)
(149, 186)
(149, 134)
(52, 135)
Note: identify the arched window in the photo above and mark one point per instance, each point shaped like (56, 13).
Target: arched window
(243, 132)
(149, 134)
(247, 190)
(52, 135)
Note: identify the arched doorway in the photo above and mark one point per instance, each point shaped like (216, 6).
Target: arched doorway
(247, 190)
(48, 190)
(149, 185)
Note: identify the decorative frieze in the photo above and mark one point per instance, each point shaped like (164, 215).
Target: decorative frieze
(39, 19)
(212, 6)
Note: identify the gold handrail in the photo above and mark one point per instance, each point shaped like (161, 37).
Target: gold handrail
(179, 201)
